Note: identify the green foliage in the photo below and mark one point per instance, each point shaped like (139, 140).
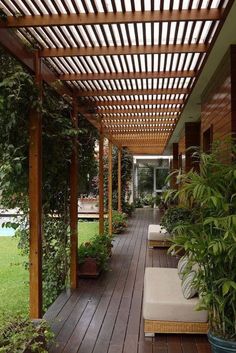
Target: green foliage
(18, 334)
(177, 215)
(19, 98)
(119, 222)
(211, 240)
(128, 208)
(98, 249)
(126, 176)
(145, 179)
(148, 200)
(138, 202)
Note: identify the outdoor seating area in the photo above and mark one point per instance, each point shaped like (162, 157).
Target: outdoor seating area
(106, 315)
(117, 176)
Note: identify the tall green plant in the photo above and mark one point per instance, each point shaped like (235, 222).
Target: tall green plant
(211, 240)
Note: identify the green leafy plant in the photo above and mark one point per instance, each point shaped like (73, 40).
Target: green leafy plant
(119, 222)
(138, 202)
(19, 335)
(18, 95)
(211, 240)
(148, 200)
(177, 215)
(128, 208)
(98, 249)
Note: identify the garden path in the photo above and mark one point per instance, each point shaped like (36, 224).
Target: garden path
(105, 315)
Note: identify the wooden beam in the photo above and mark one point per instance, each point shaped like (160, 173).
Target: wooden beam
(101, 183)
(124, 50)
(112, 18)
(126, 75)
(110, 188)
(74, 203)
(35, 201)
(12, 44)
(119, 181)
(133, 102)
(130, 92)
(139, 110)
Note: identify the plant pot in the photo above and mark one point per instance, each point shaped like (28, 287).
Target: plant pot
(89, 268)
(219, 345)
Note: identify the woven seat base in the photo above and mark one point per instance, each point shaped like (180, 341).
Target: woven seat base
(159, 243)
(151, 327)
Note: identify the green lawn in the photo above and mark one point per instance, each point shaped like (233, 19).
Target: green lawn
(14, 278)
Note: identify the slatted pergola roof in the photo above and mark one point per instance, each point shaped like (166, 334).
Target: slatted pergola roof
(133, 63)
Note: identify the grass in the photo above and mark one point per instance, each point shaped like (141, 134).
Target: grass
(14, 286)
(87, 230)
(13, 278)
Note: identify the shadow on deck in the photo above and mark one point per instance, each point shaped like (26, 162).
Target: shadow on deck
(105, 315)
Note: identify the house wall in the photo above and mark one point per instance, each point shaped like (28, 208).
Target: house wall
(218, 102)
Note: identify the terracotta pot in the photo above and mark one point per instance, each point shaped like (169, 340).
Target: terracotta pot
(89, 268)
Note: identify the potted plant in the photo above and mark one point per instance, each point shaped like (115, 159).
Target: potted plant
(24, 336)
(93, 257)
(211, 243)
(177, 215)
(119, 222)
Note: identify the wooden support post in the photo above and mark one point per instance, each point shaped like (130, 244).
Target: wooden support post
(101, 184)
(110, 188)
(175, 164)
(192, 139)
(35, 201)
(119, 181)
(74, 203)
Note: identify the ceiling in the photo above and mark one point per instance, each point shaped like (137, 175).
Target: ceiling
(132, 63)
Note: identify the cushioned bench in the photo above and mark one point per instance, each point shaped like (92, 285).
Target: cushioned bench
(165, 310)
(158, 236)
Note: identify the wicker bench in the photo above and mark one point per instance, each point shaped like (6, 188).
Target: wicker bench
(165, 310)
(158, 236)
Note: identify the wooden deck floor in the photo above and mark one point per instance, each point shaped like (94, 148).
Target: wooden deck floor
(105, 315)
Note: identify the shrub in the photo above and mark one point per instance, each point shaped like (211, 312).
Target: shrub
(148, 200)
(19, 335)
(118, 222)
(138, 203)
(128, 208)
(96, 249)
(177, 215)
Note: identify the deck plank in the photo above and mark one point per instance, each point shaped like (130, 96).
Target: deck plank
(105, 315)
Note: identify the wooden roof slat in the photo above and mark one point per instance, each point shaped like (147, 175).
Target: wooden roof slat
(138, 110)
(124, 50)
(132, 92)
(111, 18)
(133, 102)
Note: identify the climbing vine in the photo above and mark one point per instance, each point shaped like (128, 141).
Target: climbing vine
(18, 96)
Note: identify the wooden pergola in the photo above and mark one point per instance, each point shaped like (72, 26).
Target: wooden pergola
(129, 67)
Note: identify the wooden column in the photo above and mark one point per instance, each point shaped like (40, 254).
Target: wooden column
(192, 139)
(110, 188)
(119, 181)
(101, 184)
(175, 163)
(74, 203)
(35, 201)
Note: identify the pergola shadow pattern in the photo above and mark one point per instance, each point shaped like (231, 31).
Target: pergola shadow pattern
(105, 315)
(133, 63)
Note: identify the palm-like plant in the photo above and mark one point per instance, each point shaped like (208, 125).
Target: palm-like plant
(211, 241)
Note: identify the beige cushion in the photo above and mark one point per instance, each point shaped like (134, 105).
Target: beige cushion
(156, 232)
(163, 298)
